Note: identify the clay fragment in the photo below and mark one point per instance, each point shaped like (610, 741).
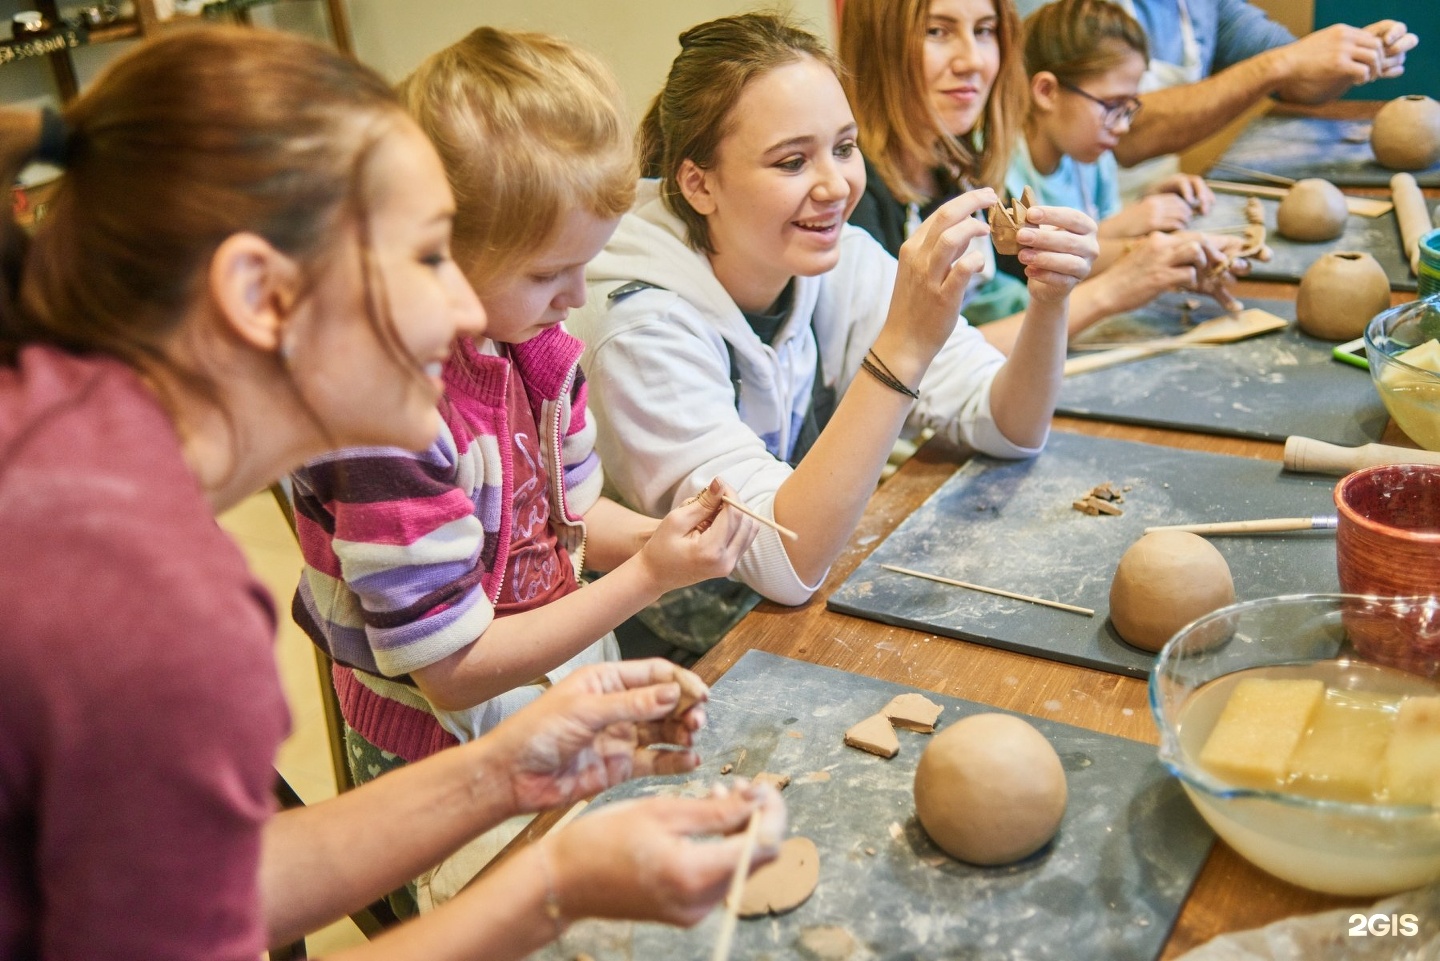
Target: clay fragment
(726, 768)
(785, 883)
(1339, 295)
(1101, 499)
(779, 781)
(827, 944)
(913, 712)
(1406, 133)
(875, 735)
(1313, 210)
(692, 692)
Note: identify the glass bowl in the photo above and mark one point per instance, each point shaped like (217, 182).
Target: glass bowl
(1411, 394)
(1338, 847)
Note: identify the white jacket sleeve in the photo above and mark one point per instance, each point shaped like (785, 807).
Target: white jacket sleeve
(661, 395)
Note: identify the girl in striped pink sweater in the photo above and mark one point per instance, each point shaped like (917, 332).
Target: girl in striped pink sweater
(444, 584)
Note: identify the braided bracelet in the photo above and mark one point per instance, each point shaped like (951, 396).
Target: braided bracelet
(883, 374)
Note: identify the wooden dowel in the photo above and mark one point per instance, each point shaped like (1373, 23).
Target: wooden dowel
(737, 888)
(777, 528)
(1257, 174)
(990, 590)
(1167, 343)
(1265, 526)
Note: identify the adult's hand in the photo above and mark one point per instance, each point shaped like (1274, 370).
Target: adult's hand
(658, 858)
(1397, 40)
(593, 730)
(1321, 66)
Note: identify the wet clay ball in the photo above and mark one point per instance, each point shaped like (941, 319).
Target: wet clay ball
(1340, 293)
(1312, 210)
(1406, 134)
(1166, 580)
(990, 789)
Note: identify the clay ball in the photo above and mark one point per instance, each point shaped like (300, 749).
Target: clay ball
(1406, 134)
(1339, 295)
(1312, 210)
(1166, 580)
(990, 789)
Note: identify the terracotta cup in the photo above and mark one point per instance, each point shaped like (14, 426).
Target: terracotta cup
(1387, 544)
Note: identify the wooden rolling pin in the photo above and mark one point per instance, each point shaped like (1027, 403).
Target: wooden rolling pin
(1411, 212)
(1306, 455)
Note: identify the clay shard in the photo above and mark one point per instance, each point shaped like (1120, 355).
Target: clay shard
(779, 781)
(1006, 222)
(875, 735)
(1101, 499)
(913, 712)
(692, 692)
(827, 943)
(785, 883)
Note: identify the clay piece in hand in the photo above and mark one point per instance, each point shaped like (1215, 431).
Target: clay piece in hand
(1406, 133)
(875, 735)
(1164, 581)
(785, 883)
(990, 789)
(1339, 295)
(692, 691)
(1005, 222)
(913, 712)
(1313, 210)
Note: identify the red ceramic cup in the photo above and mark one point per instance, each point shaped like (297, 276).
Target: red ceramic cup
(1387, 543)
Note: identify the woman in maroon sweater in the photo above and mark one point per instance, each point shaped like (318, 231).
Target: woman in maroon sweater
(247, 265)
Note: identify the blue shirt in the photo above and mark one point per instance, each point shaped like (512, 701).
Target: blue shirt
(1092, 188)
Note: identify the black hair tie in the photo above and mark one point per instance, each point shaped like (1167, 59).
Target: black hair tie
(54, 146)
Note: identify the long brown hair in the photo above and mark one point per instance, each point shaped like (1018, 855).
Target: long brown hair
(187, 140)
(528, 127)
(882, 48)
(691, 115)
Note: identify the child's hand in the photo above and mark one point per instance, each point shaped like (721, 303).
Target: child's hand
(1158, 211)
(666, 859)
(1057, 248)
(700, 539)
(1189, 188)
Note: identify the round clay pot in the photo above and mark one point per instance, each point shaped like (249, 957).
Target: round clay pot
(1387, 543)
(1312, 210)
(1406, 134)
(1339, 295)
(1164, 581)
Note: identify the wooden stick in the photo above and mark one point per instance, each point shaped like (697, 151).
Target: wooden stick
(1305, 455)
(737, 888)
(1257, 174)
(1267, 526)
(1163, 343)
(777, 528)
(989, 590)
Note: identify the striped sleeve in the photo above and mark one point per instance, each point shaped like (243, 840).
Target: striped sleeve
(583, 476)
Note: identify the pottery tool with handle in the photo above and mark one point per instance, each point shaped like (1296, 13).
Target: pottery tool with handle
(1412, 215)
(1255, 174)
(1269, 525)
(1305, 455)
(1220, 330)
(1359, 206)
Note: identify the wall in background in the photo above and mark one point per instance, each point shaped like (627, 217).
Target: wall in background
(1422, 65)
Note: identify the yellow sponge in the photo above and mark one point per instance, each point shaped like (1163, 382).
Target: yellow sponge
(1258, 730)
(1412, 762)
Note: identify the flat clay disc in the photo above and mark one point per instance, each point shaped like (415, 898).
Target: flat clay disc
(785, 883)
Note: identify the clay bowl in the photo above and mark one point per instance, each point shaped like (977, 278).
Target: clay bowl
(1411, 393)
(1353, 849)
(1387, 544)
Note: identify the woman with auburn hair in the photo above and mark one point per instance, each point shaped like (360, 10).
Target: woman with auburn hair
(738, 327)
(248, 264)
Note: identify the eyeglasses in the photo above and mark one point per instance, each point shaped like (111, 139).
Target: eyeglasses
(1116, 110)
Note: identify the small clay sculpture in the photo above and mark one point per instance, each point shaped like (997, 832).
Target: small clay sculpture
(1005, 223)
(1102, 499)
(875, 735)
(914, 712)
(1312, 210)
(785, 883)
(1406, 133)
(1164, 581)
(990, 789)
(1340, 293)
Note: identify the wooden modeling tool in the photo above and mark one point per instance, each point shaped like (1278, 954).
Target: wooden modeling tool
(1411, 213)
(990, 590)
(1305, 455)
(1267, 526)
(1220, 330)
(777, 528)
(1256, 174)
(737, 888)
(1359, 206)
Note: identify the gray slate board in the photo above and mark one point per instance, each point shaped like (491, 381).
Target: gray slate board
(1300, 147)
(1377, 236)
(1109, 887)
(1010, 524)
(1268, 387)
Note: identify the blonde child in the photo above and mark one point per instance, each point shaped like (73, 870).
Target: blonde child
(445, 584)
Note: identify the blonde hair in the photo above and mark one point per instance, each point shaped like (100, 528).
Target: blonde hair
(882, 48)
(692, 113)
(1077, 39)
(528, 127)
